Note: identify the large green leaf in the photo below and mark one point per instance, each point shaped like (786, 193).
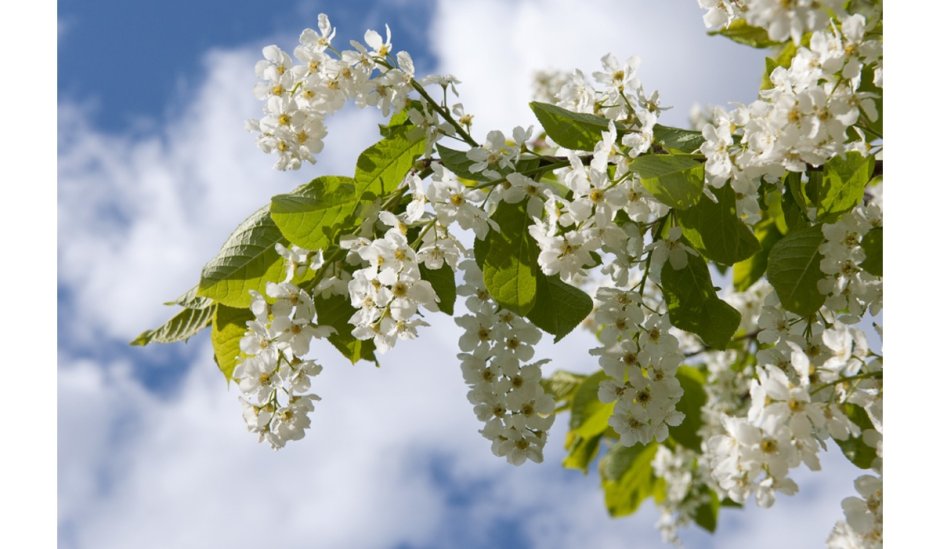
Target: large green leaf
(873, 244)
(559, 307)
(572, 130)
(228, 328)
(511, 262)
(561, 386)
(383, 166)
(627, 477)
(442, 280)
(184, 325)
(793, 270)
(587, 424)
(247, 261)
(841, 186)
(743, 33)
(581, 452)
(335, 311)
(694, 305)
(693, 399)
(751, 270)
(678, 139)
(854, 448)
(676, 180)
(715, 229)
(314, 215)
(590, 416)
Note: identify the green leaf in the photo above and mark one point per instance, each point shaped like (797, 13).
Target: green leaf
(480, 249)
(873, 244)
(590, 416)
(742, 33)
(627, 477)
(562, 385)
(751, 270)
(383, 166)
(510, 265)
(793, 270)
(228, 328)
(676, 180)
(842, 185)
(695, 307)
(559, 307)
(854, 448)
(184, 325)
(587, 424)
(581, 452)
(400, 118)
(731, 504)
(706, 514)
(247, 261)
(335, 311)
(716, 230)
(572, 130)
(678, 139)
(442, 280)
(457, 162)
(314, 215)
(691, 403)
(191, 299)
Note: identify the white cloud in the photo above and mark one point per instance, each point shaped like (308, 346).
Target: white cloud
(393, 456)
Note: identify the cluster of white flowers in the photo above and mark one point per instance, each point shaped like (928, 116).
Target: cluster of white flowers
(619, 96)
(782, 20)
(388, 291)
(795, 403)
(687, 488)
(297, 97)
(641, 357)
(451, 201)
(575, 229)
(847, 285)
(272, 373)
(505, 388)
(804, 119)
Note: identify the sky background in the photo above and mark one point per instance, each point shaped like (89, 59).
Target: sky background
(155, 169)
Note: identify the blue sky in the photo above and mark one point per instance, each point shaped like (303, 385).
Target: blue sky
(155, 169)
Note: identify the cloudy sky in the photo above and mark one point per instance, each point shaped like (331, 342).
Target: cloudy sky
(154, 170)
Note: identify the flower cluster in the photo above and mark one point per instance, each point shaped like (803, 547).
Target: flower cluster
(388, 292)
(505, 389)
(849, 287)
(641, 358)
(272, 374)
(299, 95)
(687, 490)
(802, 120)
(575, 229)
